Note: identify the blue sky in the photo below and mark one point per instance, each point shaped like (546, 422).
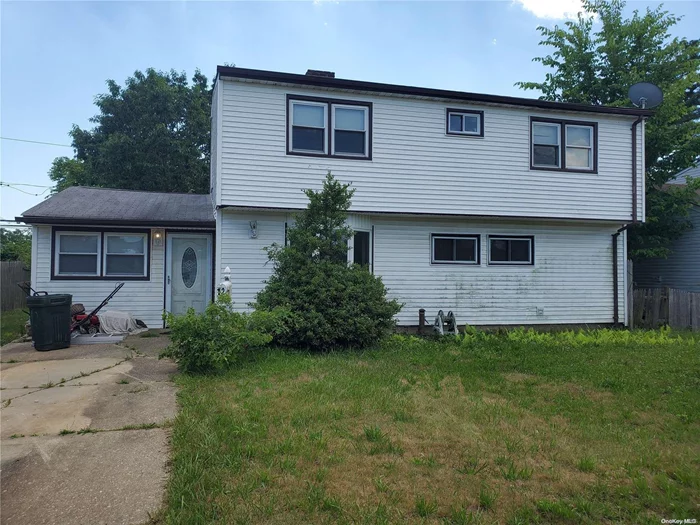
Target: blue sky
(56, 56)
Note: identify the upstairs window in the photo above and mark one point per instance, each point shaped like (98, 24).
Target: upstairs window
(464, 122)
(309, 127)
(563, 145)
(329, 127)
(511, 250)
(350, 125)
(454, 249)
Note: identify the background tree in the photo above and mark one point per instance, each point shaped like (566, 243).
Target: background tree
(595, 60)
(152, 134)
(16, 245)
(333, 304)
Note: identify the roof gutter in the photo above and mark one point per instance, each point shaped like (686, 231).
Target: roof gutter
(636, 123)
(395, 89)
(63, 221)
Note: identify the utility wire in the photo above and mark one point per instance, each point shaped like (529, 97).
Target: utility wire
(26, 192)
(23, 184)
(37, 142)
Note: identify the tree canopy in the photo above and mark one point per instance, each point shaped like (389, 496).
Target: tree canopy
(596, 59)
(152, 134)
(15, 245)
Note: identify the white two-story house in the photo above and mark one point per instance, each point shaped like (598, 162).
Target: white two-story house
(507, 211)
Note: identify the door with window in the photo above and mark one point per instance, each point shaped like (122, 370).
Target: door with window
(188, 272)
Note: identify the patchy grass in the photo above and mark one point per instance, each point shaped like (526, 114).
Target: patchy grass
(497, 429)
(12, 325)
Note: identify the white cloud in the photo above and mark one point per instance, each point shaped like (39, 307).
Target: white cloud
(494, 41)
(552, 9)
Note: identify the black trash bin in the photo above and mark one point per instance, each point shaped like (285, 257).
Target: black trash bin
(49, 316)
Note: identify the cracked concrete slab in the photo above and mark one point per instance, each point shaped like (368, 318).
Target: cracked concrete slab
(36, 374)
(117, 406)
(48, 411)
(109, 477)
(25, 352)
(11, 393)
(108, 376)
(112, 476)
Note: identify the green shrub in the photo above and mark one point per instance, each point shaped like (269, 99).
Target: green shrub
(214, 339)
(331, 304)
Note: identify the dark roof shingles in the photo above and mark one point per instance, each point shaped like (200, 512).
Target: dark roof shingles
(96, 205)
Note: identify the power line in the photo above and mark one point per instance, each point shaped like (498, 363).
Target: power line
(23, 184)
(37, 142)
(26, 192)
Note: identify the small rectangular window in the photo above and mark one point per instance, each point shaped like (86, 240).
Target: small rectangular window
(511, 250)
(308, 127)
(361, 248)
(455, 249)
(464, 122)
(77, 253)
(350, 130)
(125, 254)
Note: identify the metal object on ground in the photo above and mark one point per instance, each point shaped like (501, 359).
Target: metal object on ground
(445, 324)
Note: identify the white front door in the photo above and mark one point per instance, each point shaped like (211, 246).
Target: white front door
(188, 272)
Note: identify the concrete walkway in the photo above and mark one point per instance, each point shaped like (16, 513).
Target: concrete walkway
(84, 436)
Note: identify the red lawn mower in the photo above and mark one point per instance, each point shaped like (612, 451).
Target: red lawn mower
(89, 323)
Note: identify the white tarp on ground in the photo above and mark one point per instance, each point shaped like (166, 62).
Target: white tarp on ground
(116, 322)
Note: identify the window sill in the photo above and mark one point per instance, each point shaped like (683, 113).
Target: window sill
(327, 155)
(565, 170)
(96, 278)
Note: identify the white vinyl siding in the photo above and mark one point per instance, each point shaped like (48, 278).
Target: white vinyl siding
(143, 299)
(570, 282)
(415, 166)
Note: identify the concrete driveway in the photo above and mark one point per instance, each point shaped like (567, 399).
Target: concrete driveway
(84, 435)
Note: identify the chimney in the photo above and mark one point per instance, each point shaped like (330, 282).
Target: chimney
(317, 73)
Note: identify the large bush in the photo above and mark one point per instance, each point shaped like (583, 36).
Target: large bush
(215, 339)
(331, 304)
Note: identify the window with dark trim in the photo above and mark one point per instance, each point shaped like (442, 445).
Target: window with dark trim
(454, 249)
(329, 127)
(361, 248)
(511, 250)
(563, 145)
(469, 123)
(107, 254)
(77, 254)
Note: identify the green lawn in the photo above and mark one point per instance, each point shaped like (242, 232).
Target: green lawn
(498, 429)
(12, 325)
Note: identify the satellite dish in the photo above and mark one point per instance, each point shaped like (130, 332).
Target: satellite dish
(645, 95)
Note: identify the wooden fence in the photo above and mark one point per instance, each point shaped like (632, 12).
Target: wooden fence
(654, 307)
(11, 296)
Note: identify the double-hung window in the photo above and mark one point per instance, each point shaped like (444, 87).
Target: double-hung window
(77, 254)
(350, 124)
(329, 127)
(309, 131)
(454, 249)
(563, 145)
(511, 250)
(100, 255)
(465, 122)
(125, 254)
